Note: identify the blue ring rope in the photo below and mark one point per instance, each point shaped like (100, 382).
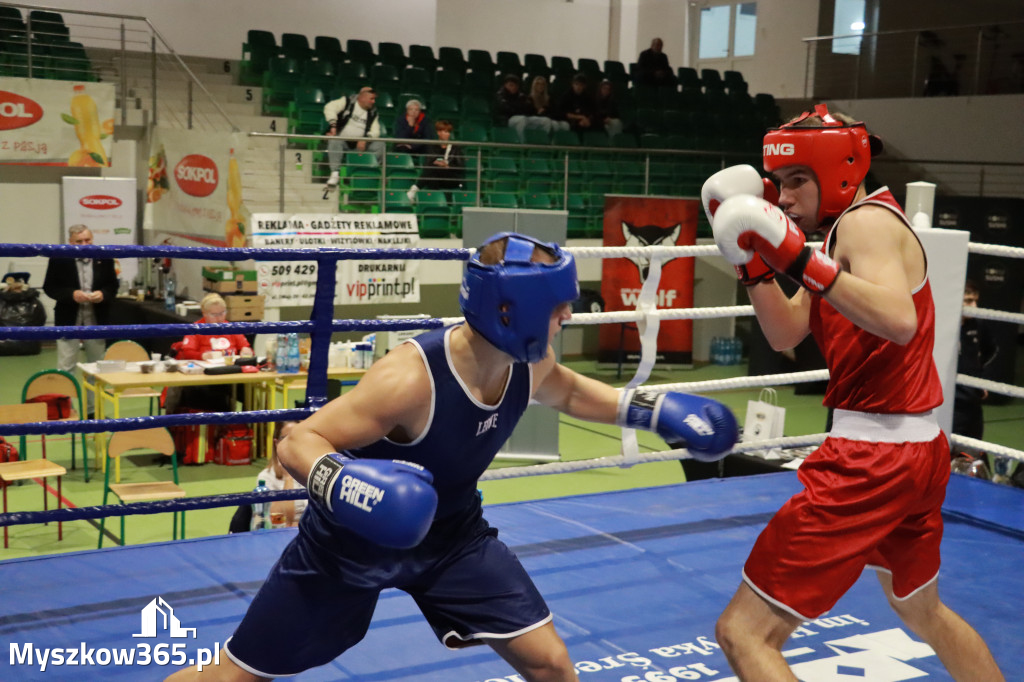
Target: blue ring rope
(162, 506)
(227, 254)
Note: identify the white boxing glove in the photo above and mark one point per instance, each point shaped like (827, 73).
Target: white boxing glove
(729, 182)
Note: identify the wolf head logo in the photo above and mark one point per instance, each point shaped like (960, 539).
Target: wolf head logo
(649, 235)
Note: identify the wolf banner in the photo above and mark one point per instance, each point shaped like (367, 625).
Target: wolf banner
(647, 221)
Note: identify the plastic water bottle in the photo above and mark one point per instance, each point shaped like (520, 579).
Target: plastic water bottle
(293, 353)
(716, 350)
(281, 353)
(169, 293)
(260, 509)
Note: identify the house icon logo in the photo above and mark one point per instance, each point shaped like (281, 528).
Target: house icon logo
(159, 615)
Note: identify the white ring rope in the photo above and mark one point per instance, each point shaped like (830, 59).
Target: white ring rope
(997, 315)
(759, 381)
(985, 446)
(991, 386)
(662, 456)
(995, 250)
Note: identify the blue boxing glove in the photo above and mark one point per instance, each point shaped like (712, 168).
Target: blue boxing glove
(705, 427)
(388, 502)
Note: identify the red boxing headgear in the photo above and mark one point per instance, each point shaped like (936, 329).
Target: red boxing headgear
(838, 153)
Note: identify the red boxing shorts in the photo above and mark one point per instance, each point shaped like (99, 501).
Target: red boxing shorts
(865, 503)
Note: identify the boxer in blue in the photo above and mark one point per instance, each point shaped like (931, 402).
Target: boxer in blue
(392, 469)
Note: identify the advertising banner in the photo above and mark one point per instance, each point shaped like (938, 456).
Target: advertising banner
(55, 123)
(370, 281)
(107, 206)
(647, 221)
(194, 186)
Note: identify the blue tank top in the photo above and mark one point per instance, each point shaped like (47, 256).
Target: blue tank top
(461, 437)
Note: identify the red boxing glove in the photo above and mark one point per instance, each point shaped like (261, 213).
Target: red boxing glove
(754, 272)
(734, 181)
(746, 227)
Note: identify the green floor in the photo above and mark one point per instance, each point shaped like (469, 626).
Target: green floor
(577, 440)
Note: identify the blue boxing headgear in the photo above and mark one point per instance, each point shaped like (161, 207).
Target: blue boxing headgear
(510, 303)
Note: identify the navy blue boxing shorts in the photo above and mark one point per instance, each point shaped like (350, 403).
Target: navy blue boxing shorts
(319, 598)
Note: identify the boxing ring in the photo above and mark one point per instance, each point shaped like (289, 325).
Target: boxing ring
(635, 579)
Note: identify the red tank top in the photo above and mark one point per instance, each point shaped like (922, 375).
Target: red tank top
(868, 373)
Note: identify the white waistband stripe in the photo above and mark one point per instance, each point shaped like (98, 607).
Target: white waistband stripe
(884, 428)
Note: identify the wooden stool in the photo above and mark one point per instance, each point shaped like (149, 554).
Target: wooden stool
(34, 468)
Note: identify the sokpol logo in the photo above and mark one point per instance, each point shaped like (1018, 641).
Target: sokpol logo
(196, 175)
(100, 202)
(17, 111)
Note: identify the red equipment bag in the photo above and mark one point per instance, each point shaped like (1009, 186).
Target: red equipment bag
(234, 445)
(57, 406)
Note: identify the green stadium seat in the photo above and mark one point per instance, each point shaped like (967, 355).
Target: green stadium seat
(501, 200)
(400, 164)
(541, 202)
(392, 54)
(422, 56)
(447, 83)
(69, 61)
(360, 51)
(328, 48)
(470, 131)
(480, 60)
(257, 51)
(296, 46)
(11, 20)
(319, 73)
(562, 65)
(624, 141)
(444, 107)
(476, 108)
(306, 115)
(397, 201)
(383, 75)
(415, 79)
(689, 79)
(435, 219)
(508, 62)
(279, 82)
(451, 59)
(47, 27)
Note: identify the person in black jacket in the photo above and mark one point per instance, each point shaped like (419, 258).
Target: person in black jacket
(652, 66)
(83, 289)
(444, 167)
(977, 350)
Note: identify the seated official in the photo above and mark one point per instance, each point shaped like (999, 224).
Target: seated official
(207, 347)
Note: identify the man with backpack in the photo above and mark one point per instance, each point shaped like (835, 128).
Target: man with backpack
(351, 117)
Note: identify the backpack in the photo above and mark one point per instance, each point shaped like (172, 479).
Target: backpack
(8, 453)
(234, 445)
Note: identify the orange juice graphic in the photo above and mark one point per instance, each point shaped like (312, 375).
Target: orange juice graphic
(87, 127)
(234, 229)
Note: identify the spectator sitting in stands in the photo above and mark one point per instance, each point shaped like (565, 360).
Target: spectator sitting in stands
(444, 167)
(352, 117)
(545, 116)
(652, 66)
(413, 125)
(606, 109)
(577, 106)
(511, 107)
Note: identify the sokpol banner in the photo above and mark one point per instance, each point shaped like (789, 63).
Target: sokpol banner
(107, 206)
(55, 123)
(195, 186)
(648, 221)
(371, 281)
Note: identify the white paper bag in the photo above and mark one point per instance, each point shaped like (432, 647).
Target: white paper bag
(765, 420)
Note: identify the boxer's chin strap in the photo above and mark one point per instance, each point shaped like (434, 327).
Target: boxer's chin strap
(648, 326)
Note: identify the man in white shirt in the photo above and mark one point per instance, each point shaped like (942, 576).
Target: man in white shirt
(352, 117)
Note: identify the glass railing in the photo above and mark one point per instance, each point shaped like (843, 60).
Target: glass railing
(957, 60)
